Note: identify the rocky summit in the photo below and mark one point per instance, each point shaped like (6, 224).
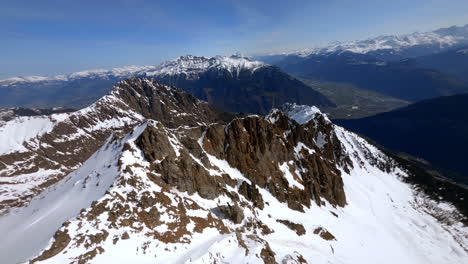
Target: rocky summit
(150, 174)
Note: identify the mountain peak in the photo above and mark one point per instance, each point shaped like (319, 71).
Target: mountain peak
(302, 113)
(164, 103)
(193, 65)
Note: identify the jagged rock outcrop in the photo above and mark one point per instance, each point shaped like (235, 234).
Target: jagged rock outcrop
(276, 153)
(168, 105)
(232, 212)
(265, 150)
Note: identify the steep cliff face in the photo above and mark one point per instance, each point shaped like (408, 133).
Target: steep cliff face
(290, 187)
(264, 150)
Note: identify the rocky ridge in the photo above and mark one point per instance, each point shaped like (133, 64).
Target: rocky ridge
(67, 140)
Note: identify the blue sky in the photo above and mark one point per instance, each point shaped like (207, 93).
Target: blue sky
(48, 37)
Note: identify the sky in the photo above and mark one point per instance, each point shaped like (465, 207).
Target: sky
(49, 37)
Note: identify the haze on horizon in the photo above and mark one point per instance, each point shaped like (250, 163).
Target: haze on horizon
(58, 37)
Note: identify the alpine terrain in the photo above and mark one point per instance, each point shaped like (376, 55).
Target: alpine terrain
(230, 83)
(151, 174)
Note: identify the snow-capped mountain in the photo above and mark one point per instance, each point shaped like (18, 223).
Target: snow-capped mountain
(175, 184)
(396, 46)
(231, 83)
(192, 66)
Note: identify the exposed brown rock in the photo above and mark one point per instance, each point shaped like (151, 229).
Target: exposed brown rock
(294, 258)
(257, 147)
(155, 144)
(255, 224)
(268, 256)
(61, 241)
(232, 212)
(298, 228)
(86, 257)
(252, 194)
(145, 95)
(323, 233)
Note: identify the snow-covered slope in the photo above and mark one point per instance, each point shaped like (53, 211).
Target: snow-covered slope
(436, 40)
(255, 190)
(60, 203)
(21, 129)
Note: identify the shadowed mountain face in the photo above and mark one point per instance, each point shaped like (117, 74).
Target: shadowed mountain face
(453, 62)
(247, 91)
(435, 130)
(399, 79)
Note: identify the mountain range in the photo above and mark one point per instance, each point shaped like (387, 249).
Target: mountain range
(231, 83)
(409, 67)
(389, 47)
(149, 173)
(396, 69)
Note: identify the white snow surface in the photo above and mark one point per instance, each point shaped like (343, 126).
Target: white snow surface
(15, 132)
(25, 232)
(381, 223)
(301, 113)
